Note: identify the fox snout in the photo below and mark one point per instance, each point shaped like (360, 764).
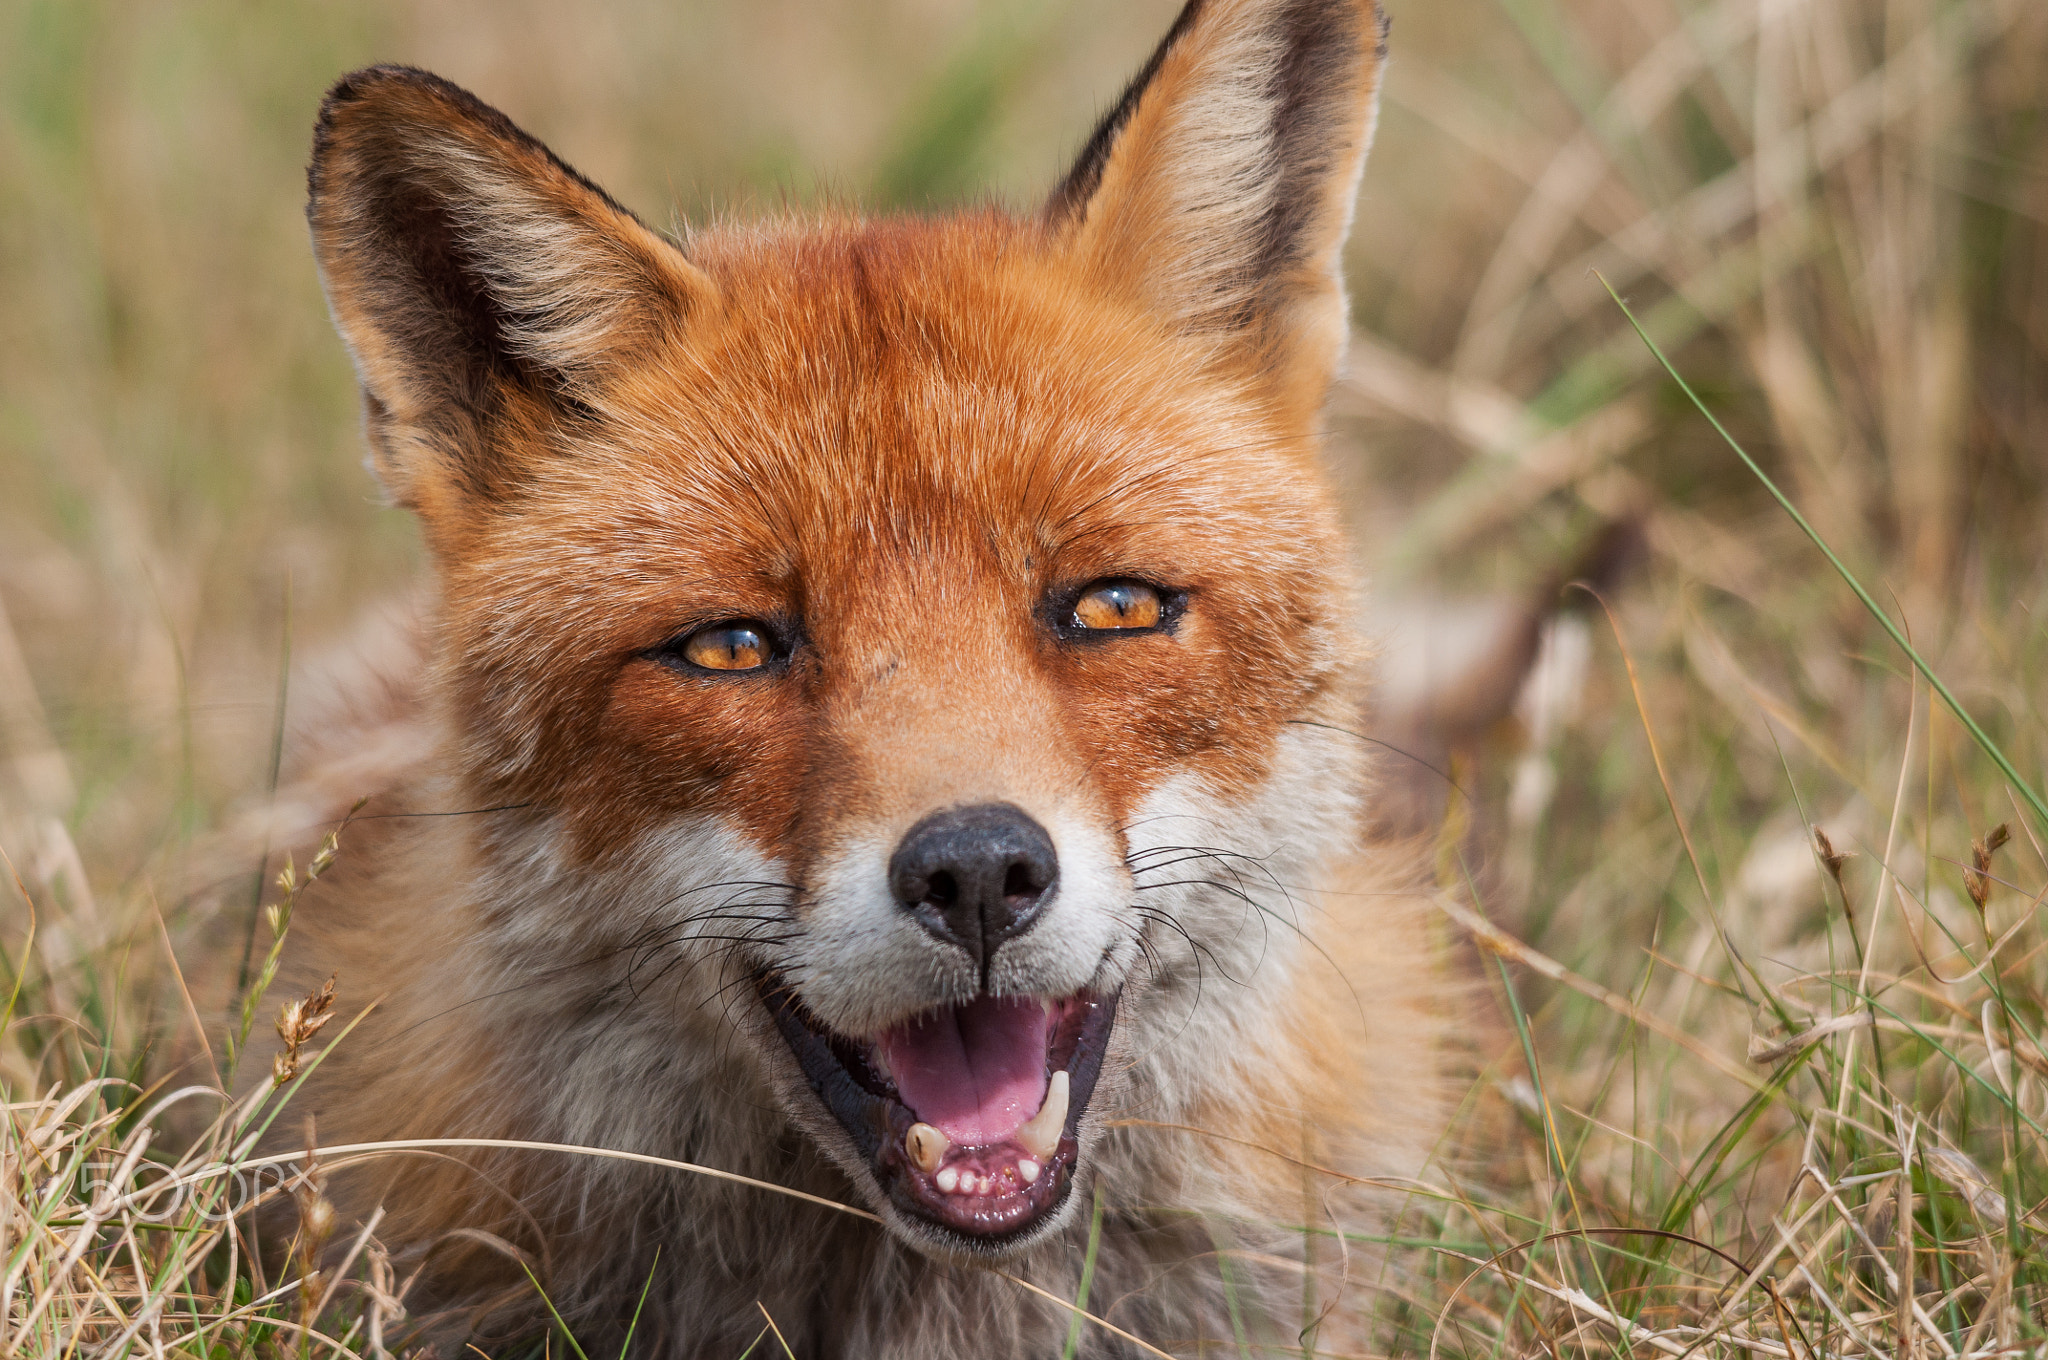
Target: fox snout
(948, 994)
(975, 876)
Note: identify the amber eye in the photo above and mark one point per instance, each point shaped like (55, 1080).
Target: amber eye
(730, 645)
(1109, 606)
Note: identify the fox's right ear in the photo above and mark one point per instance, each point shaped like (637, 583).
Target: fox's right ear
(483, 287)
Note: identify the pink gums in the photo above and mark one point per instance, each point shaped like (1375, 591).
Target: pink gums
(975, 1072)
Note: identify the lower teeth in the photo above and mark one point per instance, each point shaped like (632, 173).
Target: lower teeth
(952, 1180)
(927, 1147)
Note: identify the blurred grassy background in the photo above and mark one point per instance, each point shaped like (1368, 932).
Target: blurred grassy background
(178, 432)
(1834, 213)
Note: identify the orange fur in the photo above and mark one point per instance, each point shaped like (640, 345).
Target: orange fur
(895, 446)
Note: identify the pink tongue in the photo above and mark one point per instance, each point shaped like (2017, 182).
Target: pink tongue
(975, 1071)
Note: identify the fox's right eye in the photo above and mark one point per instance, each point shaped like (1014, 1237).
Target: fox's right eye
(729, 645)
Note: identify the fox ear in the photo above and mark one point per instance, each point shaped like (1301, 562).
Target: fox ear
(1220, 187)
(483, 287)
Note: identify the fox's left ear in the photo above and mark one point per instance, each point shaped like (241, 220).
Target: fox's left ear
(1220, 187)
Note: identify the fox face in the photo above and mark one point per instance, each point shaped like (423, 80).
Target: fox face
(885, 649)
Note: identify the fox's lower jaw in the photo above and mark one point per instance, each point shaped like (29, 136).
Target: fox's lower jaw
(967, 1117)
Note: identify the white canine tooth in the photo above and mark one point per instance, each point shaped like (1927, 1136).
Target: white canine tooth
(1028, 1169)
(927, 1147)
(1041, 1133)
(949, 1180)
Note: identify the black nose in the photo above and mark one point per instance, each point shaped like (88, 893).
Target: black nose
(975, 876)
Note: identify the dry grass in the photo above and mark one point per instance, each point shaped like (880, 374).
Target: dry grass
(1774, 1077)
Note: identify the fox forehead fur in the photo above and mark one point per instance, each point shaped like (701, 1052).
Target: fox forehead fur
(893, 454)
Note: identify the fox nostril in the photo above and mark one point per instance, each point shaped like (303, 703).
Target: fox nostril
(975, 876)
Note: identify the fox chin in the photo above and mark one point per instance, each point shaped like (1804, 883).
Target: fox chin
(882, 726)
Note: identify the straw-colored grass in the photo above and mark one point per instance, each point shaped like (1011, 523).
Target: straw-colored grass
(1769, 983)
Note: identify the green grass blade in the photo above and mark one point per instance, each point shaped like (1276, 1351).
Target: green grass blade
(627, 1345)
(1073, 1345)
(28, 946)
(555, 1313)
(1707, 1165)
(1982, 738)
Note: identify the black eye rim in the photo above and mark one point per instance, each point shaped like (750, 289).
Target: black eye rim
(1062, 602)
(780, 640)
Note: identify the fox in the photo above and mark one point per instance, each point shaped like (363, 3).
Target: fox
(880, 733)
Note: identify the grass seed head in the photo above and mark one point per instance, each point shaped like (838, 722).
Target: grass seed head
(1977, 878)
(297, 1022)
(1832, 858)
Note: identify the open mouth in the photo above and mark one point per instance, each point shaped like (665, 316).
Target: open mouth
(967, 1115)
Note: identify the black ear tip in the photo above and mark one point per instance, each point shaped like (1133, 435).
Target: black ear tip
(368, 81)
(346, 97)
(373, 94)
(371, 84)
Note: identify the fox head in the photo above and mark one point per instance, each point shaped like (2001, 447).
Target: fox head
(919, 635)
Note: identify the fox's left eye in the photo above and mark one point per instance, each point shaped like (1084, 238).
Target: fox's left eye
(729, 645)
(1118, 606)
